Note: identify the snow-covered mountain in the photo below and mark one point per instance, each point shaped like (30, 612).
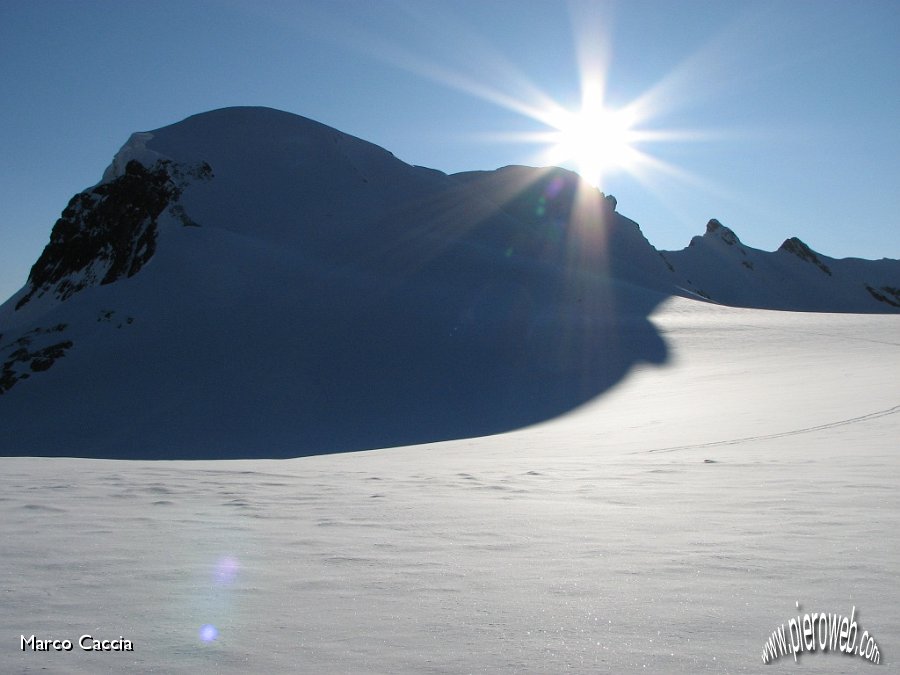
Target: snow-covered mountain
(718, 266)
(248, 282)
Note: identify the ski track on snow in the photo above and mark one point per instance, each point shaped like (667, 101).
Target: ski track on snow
(783, 434)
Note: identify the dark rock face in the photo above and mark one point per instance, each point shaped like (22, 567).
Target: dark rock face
(107, 232)
(27, 358)
(804, 252)
(886, 294)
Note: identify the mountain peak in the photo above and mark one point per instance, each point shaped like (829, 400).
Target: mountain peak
(715, 229)
(796, 247)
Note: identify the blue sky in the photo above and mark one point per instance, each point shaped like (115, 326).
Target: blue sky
(778, 118)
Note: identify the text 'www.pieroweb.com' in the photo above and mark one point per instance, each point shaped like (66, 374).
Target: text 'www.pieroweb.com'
(821, 631)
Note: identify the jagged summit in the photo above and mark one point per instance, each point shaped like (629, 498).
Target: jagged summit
(719, 267)
(715, 229)
(716, 235)
(796, 247)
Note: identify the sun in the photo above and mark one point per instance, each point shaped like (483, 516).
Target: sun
(596, 140)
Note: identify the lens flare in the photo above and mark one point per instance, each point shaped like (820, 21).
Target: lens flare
(226, 570)
(208, 632)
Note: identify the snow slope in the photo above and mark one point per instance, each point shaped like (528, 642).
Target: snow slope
(603, 541)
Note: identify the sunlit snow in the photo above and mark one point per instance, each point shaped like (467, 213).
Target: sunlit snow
(666, 527)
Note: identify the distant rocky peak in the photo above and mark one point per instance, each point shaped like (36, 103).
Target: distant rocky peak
(610, 200)
(716, 229)
(796, 247)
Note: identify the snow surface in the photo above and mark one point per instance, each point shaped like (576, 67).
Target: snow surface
(602, 541)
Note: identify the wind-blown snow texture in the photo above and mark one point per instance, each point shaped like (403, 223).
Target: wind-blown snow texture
(250, 283)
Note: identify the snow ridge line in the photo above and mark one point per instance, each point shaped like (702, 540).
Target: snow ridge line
(783, 434)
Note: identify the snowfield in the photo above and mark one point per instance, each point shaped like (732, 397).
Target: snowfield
(667, 526)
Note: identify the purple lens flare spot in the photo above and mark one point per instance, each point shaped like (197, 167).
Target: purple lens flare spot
(208, 632)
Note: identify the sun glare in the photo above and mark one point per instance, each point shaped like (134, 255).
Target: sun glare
(597, 140)
(594, 139)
